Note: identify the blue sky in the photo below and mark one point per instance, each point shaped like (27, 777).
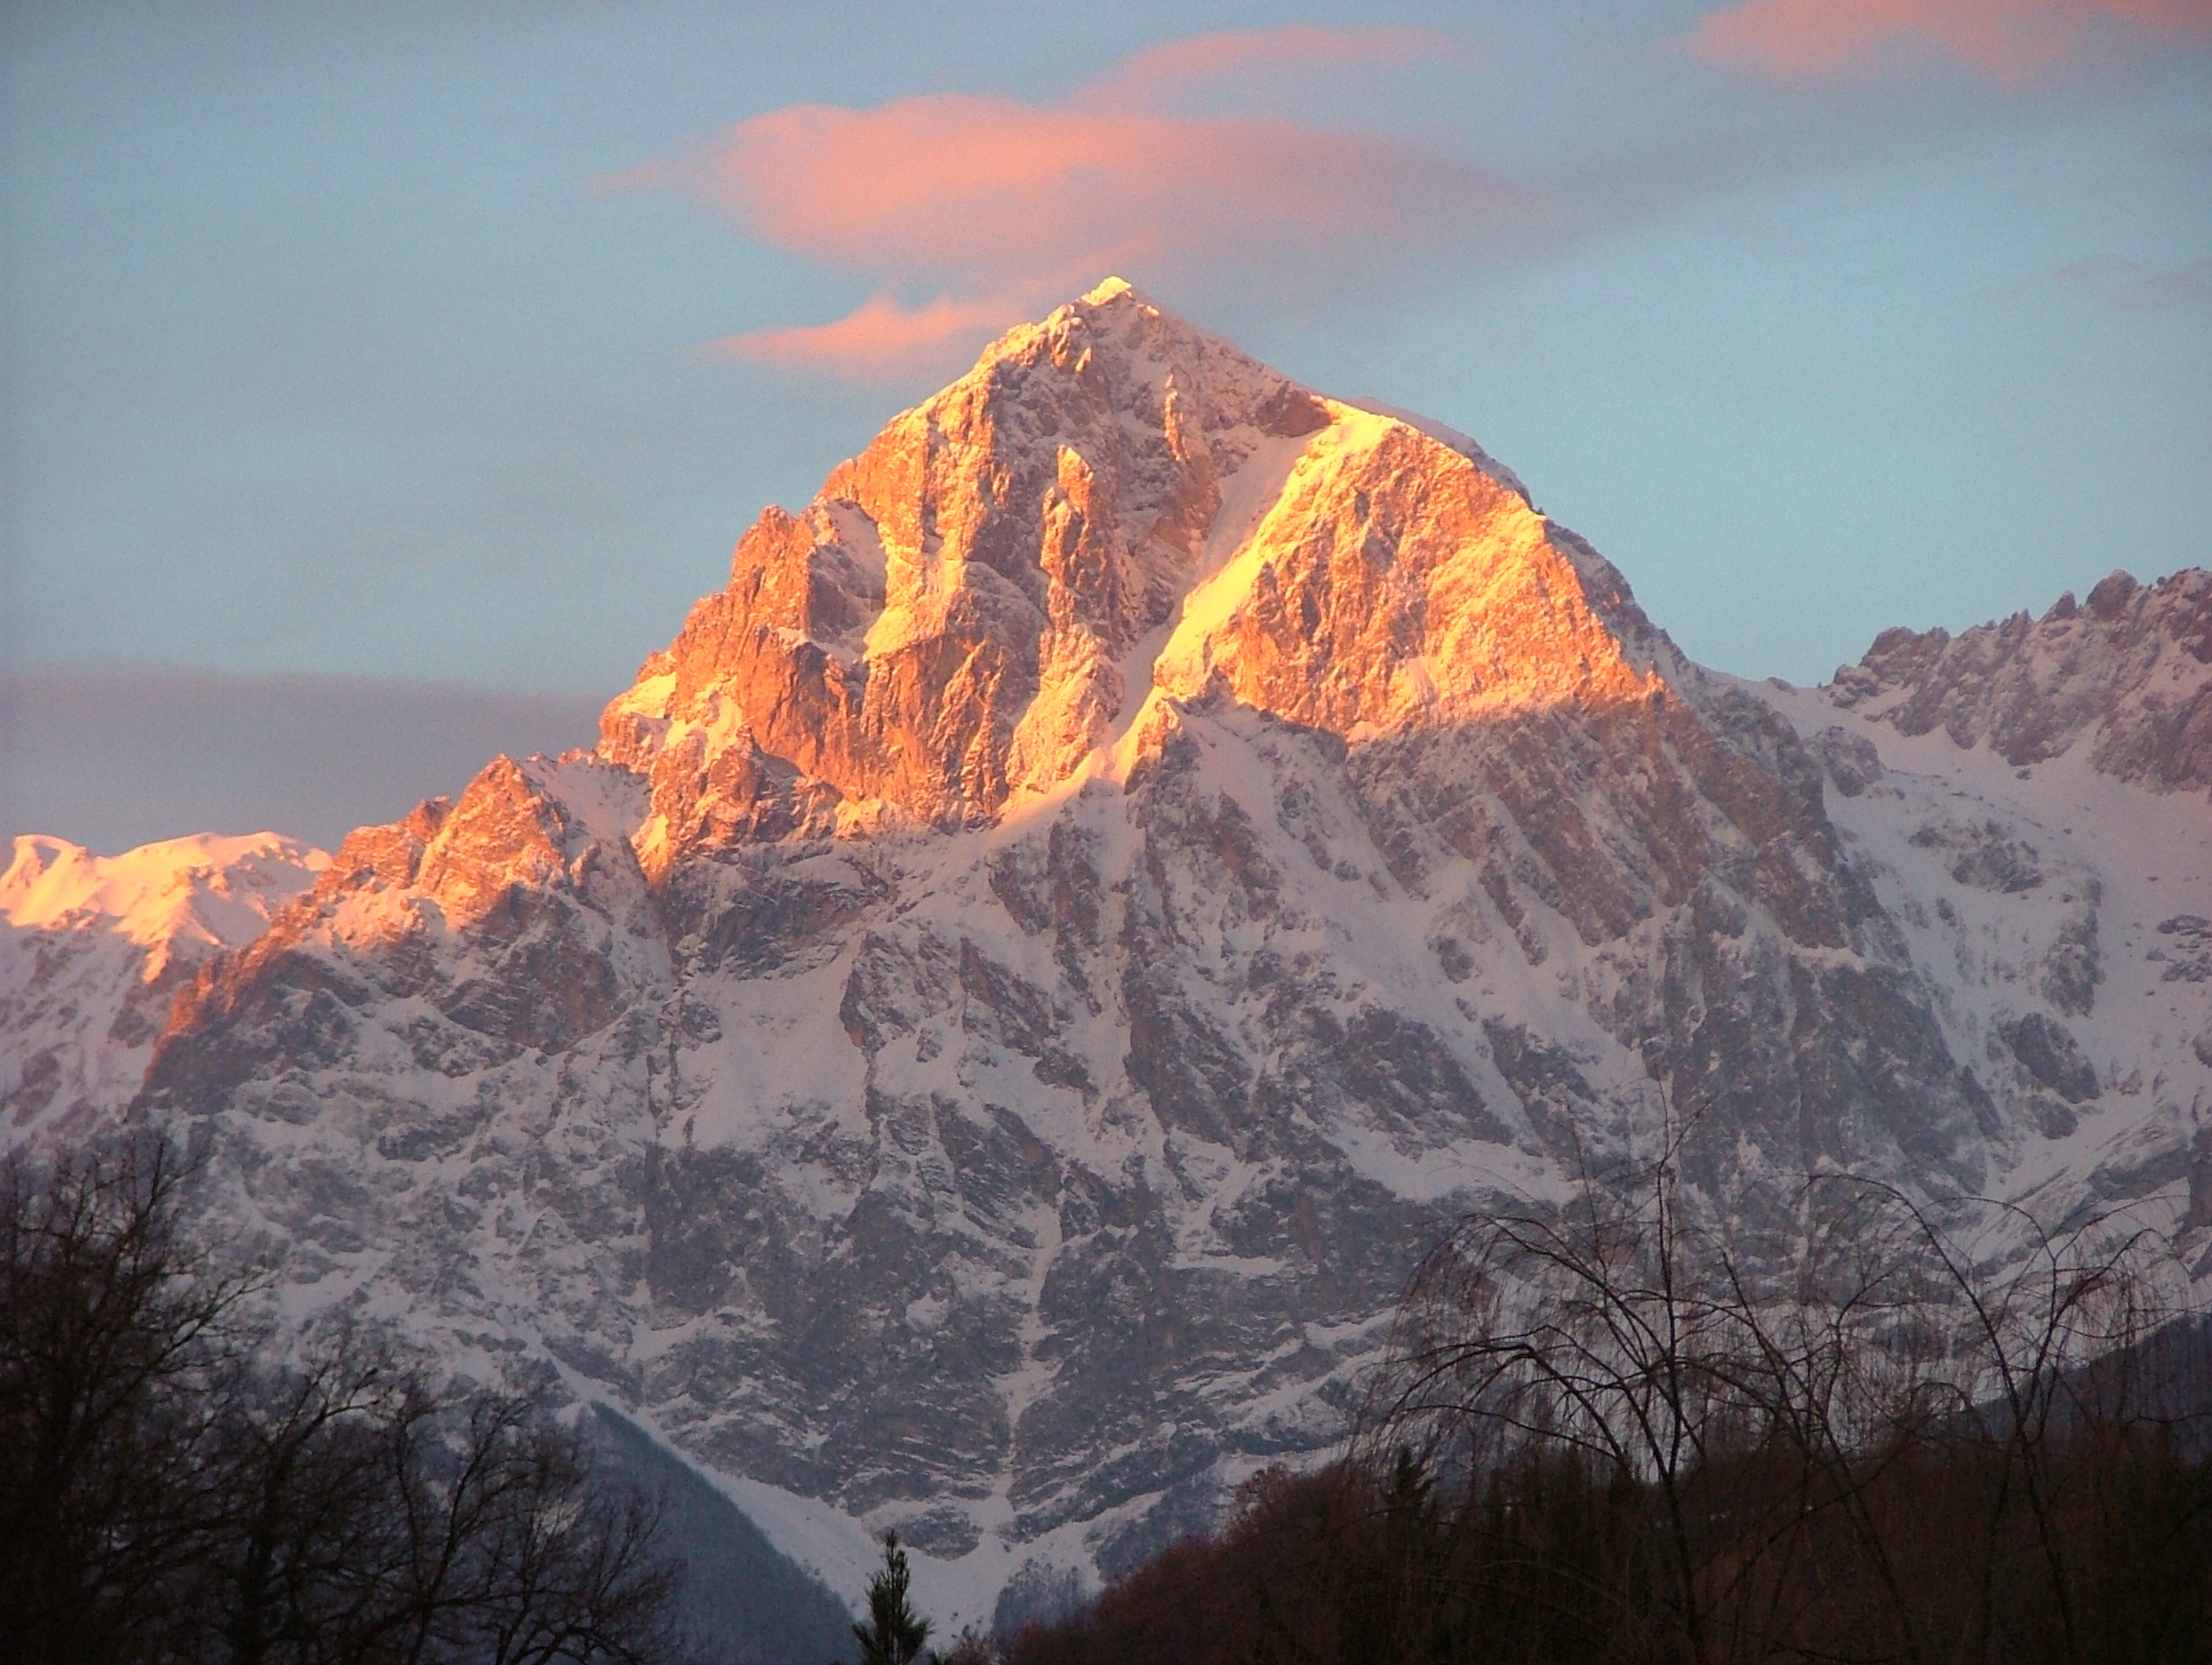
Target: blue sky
(365, 341)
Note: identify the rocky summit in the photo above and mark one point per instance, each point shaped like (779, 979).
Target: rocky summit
(980, 1044)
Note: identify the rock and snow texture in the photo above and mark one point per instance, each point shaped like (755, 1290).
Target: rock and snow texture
(2061, 919)
(982, 1042)
(93, 948)
(2130, 672)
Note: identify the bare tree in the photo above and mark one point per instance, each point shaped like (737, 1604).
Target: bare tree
(110, 1332)
(304, 1510)
(1798, 1412)
(504, 1553)
(168, 1493)
(1623, 1430)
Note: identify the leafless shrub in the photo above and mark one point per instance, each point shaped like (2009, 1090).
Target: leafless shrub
(1796, 1434)
(169, 1494)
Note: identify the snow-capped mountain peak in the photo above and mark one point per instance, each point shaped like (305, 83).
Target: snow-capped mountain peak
(981, 1043)
(93, 948)
(1111, 508)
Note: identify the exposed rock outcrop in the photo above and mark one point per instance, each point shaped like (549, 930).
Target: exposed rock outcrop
(2131, 671)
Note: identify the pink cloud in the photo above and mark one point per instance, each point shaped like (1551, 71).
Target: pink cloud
(951, 182)
(965, 211)
(2012, 42)
(880, 337)
(1235, 55)
(2130, 286)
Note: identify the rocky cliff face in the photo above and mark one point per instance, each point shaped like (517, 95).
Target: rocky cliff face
(2131, 671)
(982, 1042)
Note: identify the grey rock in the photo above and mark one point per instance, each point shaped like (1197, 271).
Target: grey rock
(2130, 670)
(1849, 761)
(2189, 955)
(2047, 1050)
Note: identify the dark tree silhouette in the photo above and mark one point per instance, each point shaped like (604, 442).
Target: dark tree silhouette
(169, 1495)
(109, 1339)
(894, 1633)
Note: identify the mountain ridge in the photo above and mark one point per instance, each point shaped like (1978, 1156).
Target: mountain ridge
(2135, 665)
(979, 1046)
(1037, 570)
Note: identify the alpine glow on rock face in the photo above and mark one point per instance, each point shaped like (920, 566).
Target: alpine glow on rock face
(386, 377)
(979, 1045)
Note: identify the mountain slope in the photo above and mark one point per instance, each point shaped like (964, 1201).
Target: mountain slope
(94, 948)
(980, 1044)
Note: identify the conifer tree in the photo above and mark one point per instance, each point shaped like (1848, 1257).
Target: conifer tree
(895, 1632)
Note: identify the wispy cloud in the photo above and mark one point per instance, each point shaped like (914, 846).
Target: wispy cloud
(2012, 42)
(2131, 286)
(965, 210)
(1160, 74)
(880, 337)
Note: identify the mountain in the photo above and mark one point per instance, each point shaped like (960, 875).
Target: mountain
(94, 949)
(2131, 673)
(981, 1043)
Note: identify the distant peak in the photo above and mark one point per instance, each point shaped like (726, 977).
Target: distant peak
(1112, 288)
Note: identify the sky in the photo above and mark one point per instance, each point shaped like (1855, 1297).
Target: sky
(389, 377)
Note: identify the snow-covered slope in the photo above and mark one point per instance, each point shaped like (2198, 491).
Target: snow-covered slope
(2064, 919)
(93, 948)
(980, 1044)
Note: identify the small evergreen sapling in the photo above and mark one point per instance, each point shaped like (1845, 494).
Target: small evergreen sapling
(895, 1632)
